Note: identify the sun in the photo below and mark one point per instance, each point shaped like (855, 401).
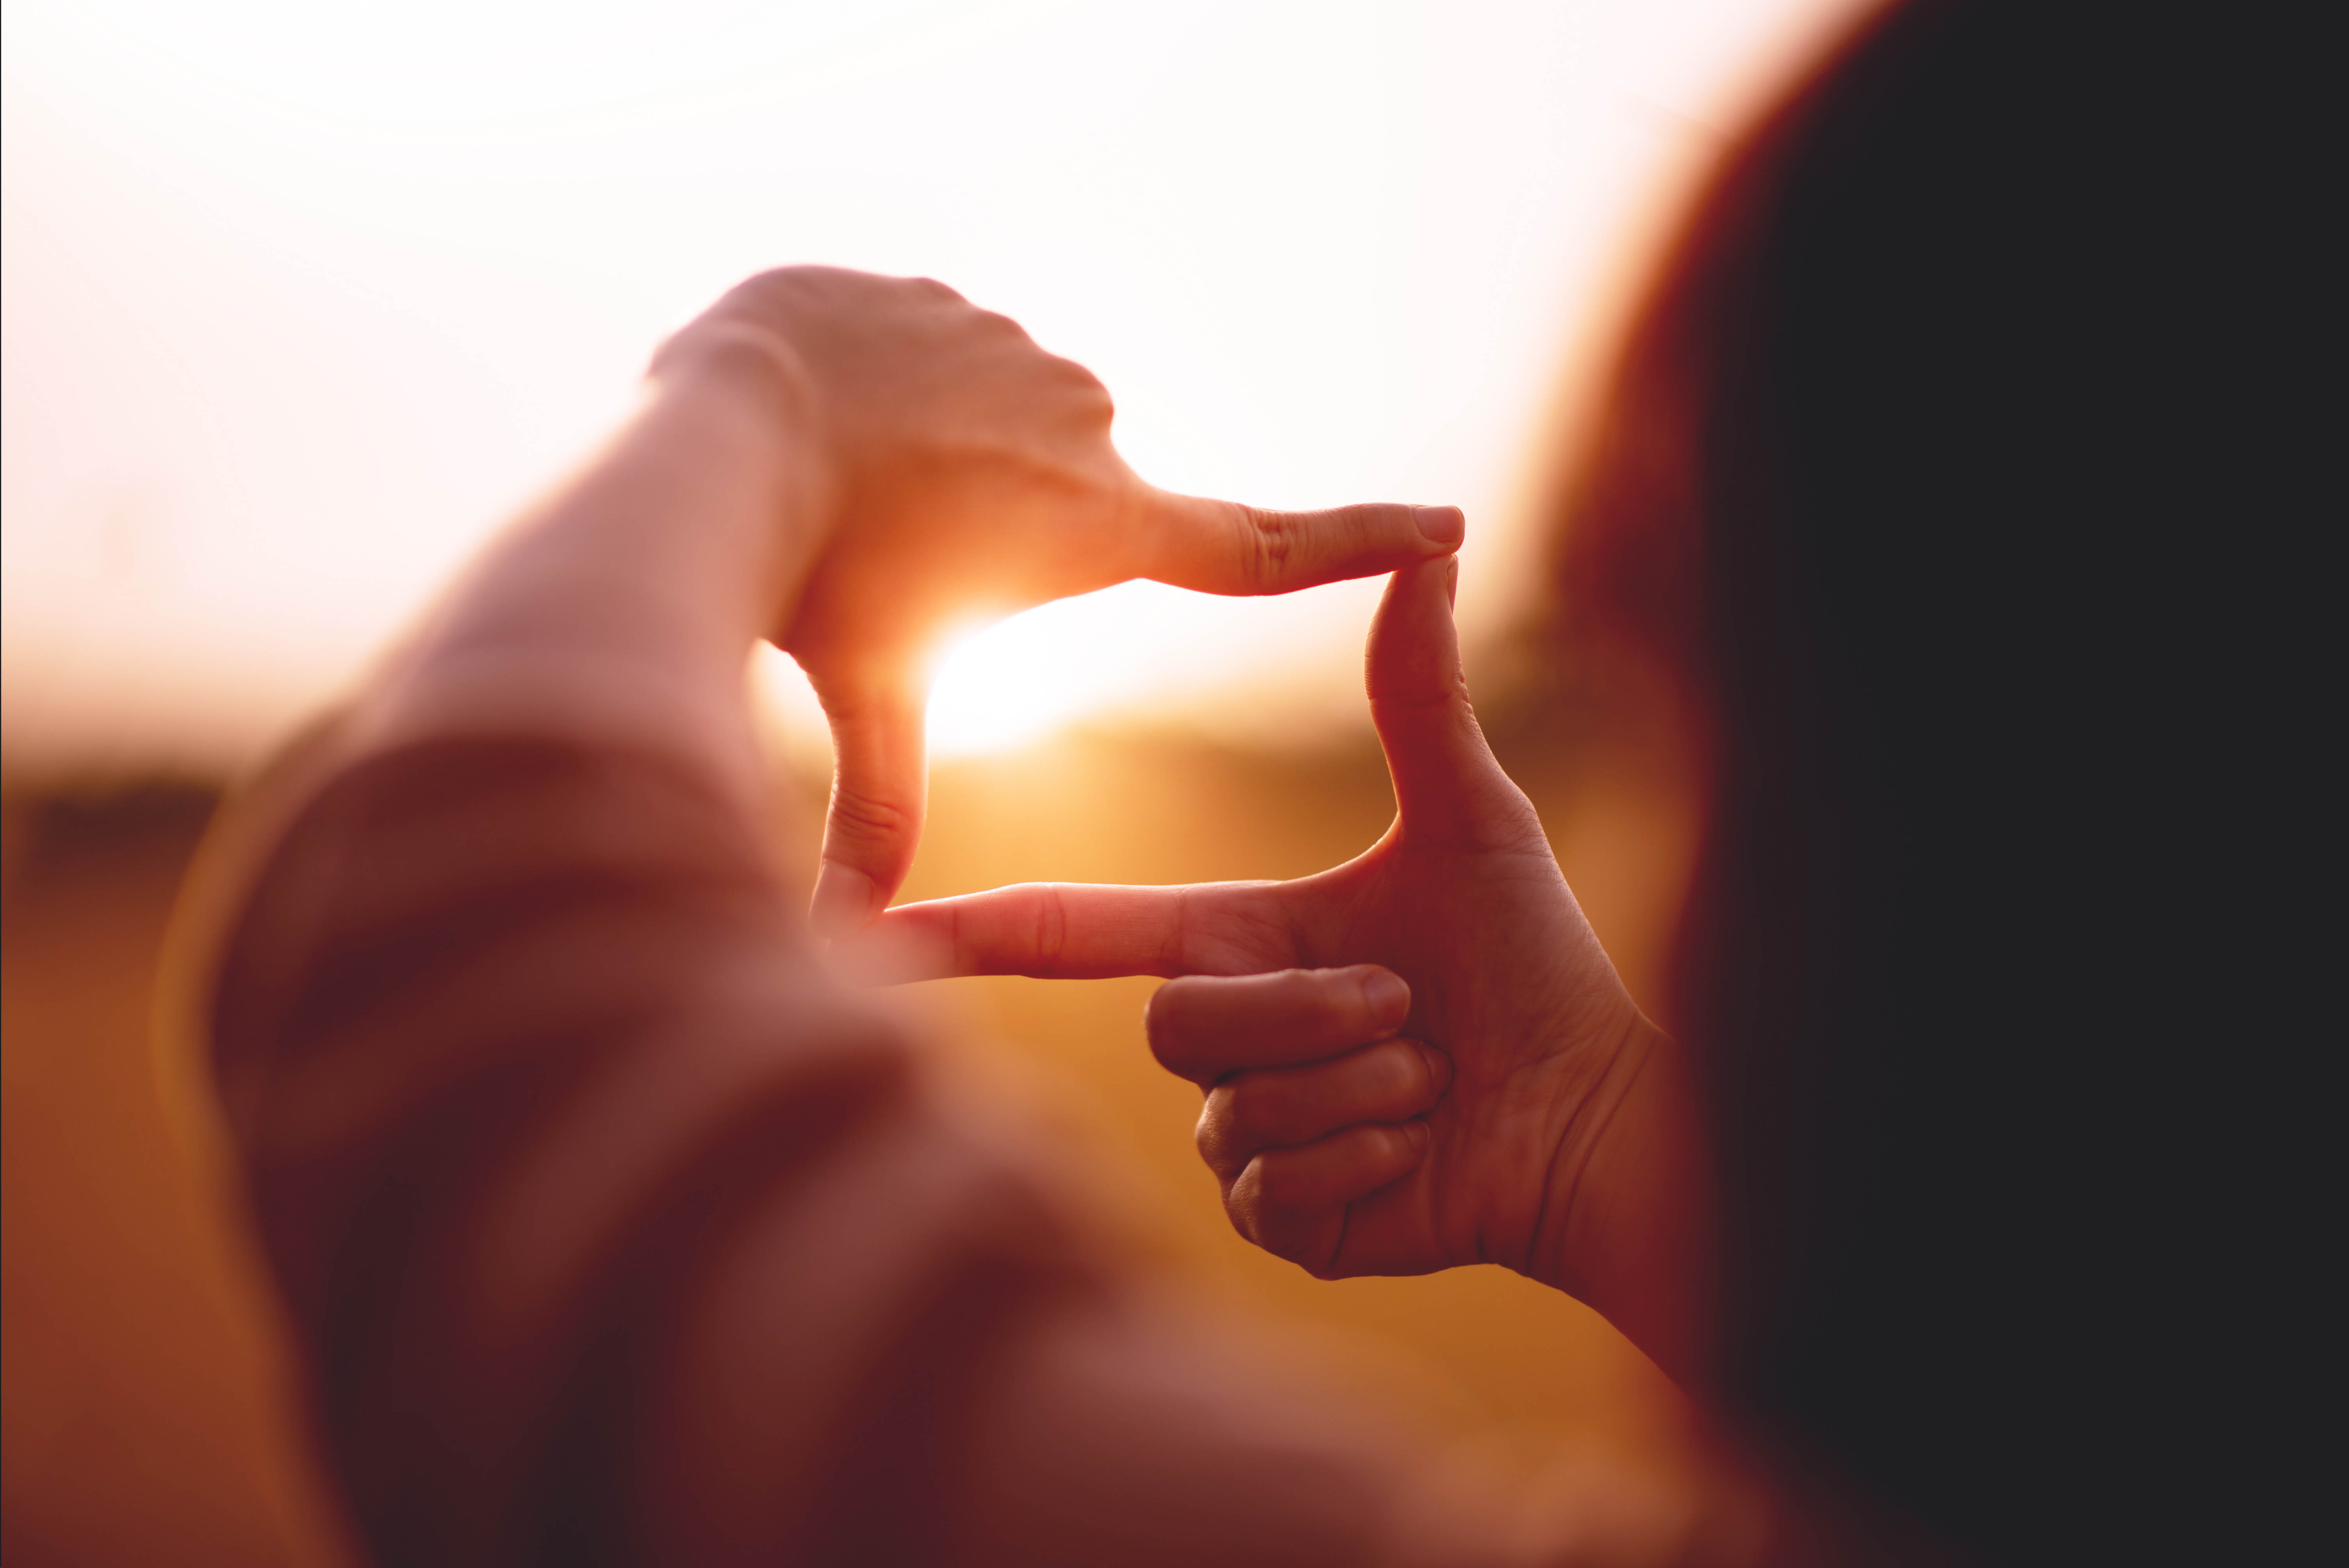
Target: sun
(997, 687)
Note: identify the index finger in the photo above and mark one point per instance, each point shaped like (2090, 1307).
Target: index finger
(1224, 547)
(1077, 931)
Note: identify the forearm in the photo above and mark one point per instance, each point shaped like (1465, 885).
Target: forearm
(621, 609)
(1633, 1236)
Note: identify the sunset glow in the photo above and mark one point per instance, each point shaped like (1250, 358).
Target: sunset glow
(301, 301)
(1002, 685)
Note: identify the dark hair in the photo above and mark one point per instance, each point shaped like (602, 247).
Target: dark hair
(1924, 477)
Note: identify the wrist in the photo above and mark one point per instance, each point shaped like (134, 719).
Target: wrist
(750, 388)
(1557, 1253)
(1626, 1214)
(622, 606)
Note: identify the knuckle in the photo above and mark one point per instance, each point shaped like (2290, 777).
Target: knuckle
(1052, 933)
(768, 287)
(1271, 1223)
(1091, 400)
(1302, 987)
(1212, 1137)
(865, 814)
(1302, 1000)
(769, 301)
(1077, 375)
(1239, 1208)
(1002, 326)
(1267, 542)
(1176, 944)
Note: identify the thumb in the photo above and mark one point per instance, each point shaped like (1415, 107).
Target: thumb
(1222, 547)
(879, 788)
(1448, 786)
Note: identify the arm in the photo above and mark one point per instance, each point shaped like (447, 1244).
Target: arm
(619, 609)
(606, 1225)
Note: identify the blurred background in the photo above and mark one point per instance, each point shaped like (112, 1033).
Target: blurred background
(301, 299)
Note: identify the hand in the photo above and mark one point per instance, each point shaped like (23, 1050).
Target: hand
(957, 468)
(1412, 1060)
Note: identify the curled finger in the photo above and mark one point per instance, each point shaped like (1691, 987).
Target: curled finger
(1279, 1108)
(1292, 1201)
(1204, 1027)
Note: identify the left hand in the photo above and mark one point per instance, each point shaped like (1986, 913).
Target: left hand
(950, 467)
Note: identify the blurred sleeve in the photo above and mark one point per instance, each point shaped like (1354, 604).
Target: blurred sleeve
(611, 1229)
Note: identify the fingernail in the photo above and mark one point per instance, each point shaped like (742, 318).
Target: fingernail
(1439, 1067)
(842, 901)
(1418, 1132)
(1386, 995)
(1445, 525)
(1452, 582)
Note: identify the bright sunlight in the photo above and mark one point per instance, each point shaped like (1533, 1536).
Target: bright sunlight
(301, 301)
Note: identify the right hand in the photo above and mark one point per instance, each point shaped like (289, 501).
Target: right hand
(954, 468)
(1412, 1060)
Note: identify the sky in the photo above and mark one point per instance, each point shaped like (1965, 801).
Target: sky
(300, 301)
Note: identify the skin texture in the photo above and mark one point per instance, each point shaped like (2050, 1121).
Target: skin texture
(1419, 1060)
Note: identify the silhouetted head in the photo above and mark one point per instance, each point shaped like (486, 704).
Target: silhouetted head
(1942, 462)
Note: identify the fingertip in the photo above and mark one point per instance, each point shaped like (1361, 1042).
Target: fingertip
(895, 948)
(845, 900)
(1163, 1006)
(1386, 997)
(1439, 1068)
(1172, 1044)
(1440, 525)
